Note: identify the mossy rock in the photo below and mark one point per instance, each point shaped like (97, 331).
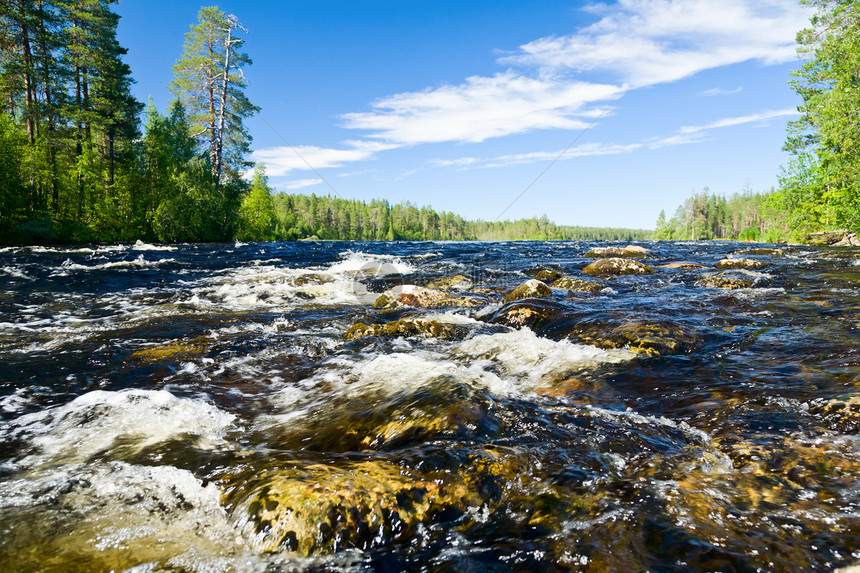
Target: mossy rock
(617, 266)
(577, 285)
(323, 509)
(725, 282)
(841, 415)
(532, 288)
(527, 313)
(452, 282)
(658, 338)
(421, 297)
(740, 263)
(172, 351)
(628, 252)
(405, 328)
(547, 275)
(535, 271)
(762, 251)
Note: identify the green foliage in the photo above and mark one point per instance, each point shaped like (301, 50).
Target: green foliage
(818, 190)
(257, 213)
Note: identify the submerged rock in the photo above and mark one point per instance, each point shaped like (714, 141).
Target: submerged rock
(532, 288)
(628, 252)
(577, 285)
(452, 282)
(405, 328)
(657, 338)
(617, 266)
(839, 415)
(683, 265)
(324, 509)
(761, 251)
(725, 281)
(740, 263)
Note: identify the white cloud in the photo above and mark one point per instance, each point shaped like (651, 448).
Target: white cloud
(732, 121)
(301, 183)
(282, 160)
(637, 42)
(647, 42)
(720, 91)
(482, 108)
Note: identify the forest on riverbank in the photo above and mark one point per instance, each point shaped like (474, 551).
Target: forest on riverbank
(81, 160)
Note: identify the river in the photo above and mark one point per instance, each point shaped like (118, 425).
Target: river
(200, 408)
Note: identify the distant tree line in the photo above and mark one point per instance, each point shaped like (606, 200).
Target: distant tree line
(745, 216)
(269, 216)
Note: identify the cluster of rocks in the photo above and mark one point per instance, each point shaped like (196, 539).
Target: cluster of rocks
(839, 238)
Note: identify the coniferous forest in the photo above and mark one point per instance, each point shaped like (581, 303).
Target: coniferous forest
(82, 160)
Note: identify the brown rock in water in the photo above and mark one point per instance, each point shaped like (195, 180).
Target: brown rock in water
(532, 288)
(839, 238)
(628, 252)
(452, 282)
(405, 328)
(320, 508)
(725, 282)
(527, 313)
(547, 275)
(657, 338)
(577, 285)
(761, 251)
(421, 297)
(740, 263)
(617, 266)
(683, 266)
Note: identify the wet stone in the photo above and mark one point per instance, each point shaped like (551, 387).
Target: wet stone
(547, 275)
(683, 265)
(657, 338)
(320, 509)
(527, 313)
(577, 285)
(740, 263)
(723, 281)
(628, 252)
(760, 251)
(451, 282)
(617, 266)
(405, 328)
(532, 288)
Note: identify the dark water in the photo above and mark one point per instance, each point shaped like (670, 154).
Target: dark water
(198, 408)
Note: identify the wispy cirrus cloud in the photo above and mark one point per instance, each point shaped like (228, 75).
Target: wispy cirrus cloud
(683, 136)
(720, 91)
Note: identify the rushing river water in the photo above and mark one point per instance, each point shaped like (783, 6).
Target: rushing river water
(200, 408)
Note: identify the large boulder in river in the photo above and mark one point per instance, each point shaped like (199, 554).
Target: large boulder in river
(740, 263)
(532, 314)
(577, 285)
(839, 238)
(617, 266)
(630, 251)
(532, 288)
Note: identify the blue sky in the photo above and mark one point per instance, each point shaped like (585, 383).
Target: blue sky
(597, 114)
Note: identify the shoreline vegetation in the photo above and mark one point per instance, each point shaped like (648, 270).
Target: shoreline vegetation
(77, 164)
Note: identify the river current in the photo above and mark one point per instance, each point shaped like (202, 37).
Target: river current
(201, 408)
